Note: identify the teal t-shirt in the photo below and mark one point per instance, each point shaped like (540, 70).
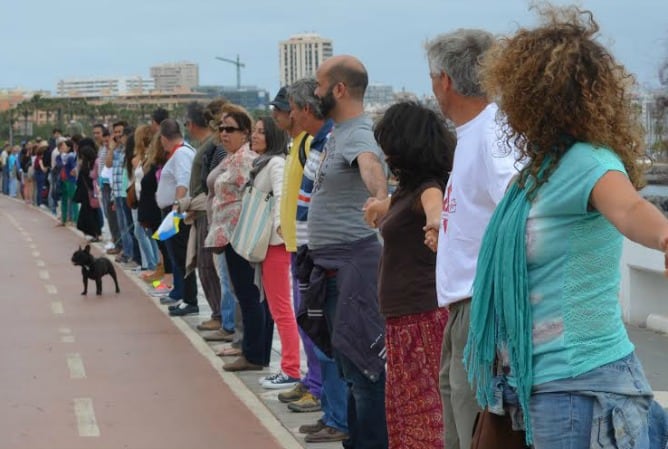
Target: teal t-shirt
(573, 255)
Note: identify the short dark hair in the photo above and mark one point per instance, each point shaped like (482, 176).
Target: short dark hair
(159, 115)
(128, 131)
(417, 145)
(122, 123)
(57, 130)
(195, 114)
(87, 141)
(105, 132)
(276, 138)
(76, 138)
(355, 78)
(170, 130)
(101, 126)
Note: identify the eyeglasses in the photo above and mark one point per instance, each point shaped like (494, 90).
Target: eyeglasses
(228, 129)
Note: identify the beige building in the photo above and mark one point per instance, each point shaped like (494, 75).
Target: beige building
(301, 55)
(104, 86)
(180, 76)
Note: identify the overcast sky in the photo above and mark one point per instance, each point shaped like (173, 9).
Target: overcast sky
(43, 41)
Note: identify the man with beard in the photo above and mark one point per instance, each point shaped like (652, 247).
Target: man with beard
(345, 251)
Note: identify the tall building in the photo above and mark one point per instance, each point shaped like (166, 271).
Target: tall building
(176, 76)
(104, 86)
(301, 55)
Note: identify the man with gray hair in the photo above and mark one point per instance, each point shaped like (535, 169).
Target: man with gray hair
(481, 172)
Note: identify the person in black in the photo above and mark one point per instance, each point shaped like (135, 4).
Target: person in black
(86, 194)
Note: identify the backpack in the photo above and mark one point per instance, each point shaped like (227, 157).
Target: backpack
(302, 151)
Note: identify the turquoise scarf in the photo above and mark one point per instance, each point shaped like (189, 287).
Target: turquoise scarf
(500, 310)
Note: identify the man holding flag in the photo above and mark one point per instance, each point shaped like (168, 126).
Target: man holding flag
(173, 185)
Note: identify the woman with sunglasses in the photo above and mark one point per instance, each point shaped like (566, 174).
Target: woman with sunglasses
(228, 180)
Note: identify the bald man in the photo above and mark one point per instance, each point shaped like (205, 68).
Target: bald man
(345, 250)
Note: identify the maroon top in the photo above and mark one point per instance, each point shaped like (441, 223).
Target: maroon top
(407, 278)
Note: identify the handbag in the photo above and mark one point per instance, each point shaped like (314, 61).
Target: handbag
(251, 236)
(131, 197)
(492, 431)
(93, 198)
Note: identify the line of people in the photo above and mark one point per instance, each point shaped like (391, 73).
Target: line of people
(487, 280)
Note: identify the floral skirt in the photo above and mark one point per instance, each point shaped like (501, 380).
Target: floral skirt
(412, 397)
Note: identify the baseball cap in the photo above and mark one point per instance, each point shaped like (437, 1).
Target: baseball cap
(281, 100)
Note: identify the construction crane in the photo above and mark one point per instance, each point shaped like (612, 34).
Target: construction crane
(236, 63)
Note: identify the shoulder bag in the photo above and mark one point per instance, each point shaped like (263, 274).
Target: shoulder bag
(251, 236)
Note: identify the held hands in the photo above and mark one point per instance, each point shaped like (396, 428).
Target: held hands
(374, 210)
(431, 236)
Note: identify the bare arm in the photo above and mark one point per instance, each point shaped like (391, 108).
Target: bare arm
(636, 218)
(109, 160)
(432, 203)
(373, 175)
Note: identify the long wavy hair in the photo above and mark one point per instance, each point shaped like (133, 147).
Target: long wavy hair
(557, 85)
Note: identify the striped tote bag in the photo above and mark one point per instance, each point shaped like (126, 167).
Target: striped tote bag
(250, 238)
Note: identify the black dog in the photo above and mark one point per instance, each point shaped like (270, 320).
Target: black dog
(93, 268)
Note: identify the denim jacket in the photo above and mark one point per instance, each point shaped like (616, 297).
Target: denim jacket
(624, 414)
(358, 329)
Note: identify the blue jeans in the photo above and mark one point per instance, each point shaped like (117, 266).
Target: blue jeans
(604, 408)
(148, 247)
(228, 303)
(333, 394)
(124, 218)
(366, 398)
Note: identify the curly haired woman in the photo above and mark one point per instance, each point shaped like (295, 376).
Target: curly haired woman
(546, 290)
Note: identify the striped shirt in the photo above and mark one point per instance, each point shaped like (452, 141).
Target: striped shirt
(308, 180)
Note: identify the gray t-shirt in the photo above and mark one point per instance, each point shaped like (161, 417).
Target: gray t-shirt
(335, 215)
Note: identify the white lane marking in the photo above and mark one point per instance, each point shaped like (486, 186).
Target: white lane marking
(76, 366)
(57, 308)
(43, 274)
(65, 330)
(662, 398)
(32, 245)
(35, 253)
(40, 263)
(86, 422)
(51, 289)
(67, 339)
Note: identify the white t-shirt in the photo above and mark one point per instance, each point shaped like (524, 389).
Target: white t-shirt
(482, 169)
(175, 173)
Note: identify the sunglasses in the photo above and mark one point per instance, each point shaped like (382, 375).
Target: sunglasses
(228, 129)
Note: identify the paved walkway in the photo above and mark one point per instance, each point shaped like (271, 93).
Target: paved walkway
(116, 371)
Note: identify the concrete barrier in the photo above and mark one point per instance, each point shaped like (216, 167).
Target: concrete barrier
(644, 289)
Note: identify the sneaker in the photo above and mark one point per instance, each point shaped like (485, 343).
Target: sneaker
(279, 381)
(308, 403)
(312, 428)
(184, 309)
(293, 395)
(269, 377)
(326, 435)
(161, 290)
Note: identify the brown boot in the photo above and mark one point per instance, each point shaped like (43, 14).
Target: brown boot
(326, 435)
(155, 275)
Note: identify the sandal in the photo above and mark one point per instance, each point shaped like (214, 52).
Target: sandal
(228, 352)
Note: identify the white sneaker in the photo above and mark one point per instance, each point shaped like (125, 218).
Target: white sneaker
(263, 379)
(279, 381)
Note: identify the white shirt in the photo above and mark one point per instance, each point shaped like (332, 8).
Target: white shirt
(482, 169)
(175, 173)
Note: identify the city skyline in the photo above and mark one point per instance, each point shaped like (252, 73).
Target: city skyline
(80, 39)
